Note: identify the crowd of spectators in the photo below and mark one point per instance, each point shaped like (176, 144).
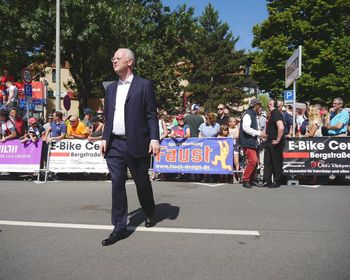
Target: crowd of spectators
(57, 127)
(310, 121)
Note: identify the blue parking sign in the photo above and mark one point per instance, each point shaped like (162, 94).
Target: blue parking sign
(28, 92)
(288, 95)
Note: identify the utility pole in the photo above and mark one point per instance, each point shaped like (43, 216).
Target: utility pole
(58, 58)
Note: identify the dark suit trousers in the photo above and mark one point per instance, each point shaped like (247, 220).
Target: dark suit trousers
(273, 162)
(118, 159)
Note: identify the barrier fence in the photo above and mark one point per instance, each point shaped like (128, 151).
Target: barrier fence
(302, 156)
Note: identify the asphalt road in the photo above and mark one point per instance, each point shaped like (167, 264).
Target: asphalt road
(304, 233)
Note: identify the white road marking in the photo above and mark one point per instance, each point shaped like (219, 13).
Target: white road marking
(305, 186)
(127, 183)
(211, 185)
(153, 229)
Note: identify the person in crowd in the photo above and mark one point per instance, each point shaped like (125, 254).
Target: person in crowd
(288, 121)
(262, 120)
(6, 77)
(12, 95)
(131, 133)
(76, 129)
(206, 130)
(233, 128)
(163, 133)
(182, 130)
(193, 120)
(227, 113)
(2, 96)
(221, 118)
(210, 128)
(314, 128)
(163, 130)
(87, 117)
(337, 120)
(34, 133)
(96, 129)
(224, 132)
(99, 115)
(301, 121)
(248, 140)
(47, 125)
(58, 128)
(349, 123)
(18, 121)
(8, 129)
(168, 119)
(273, 157)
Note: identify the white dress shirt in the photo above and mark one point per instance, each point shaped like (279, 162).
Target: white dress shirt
(246, 126)
(122, 93)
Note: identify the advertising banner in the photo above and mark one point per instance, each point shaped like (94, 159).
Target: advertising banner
(317, 155)
(20, 157)
(76, 156)
(195, 155)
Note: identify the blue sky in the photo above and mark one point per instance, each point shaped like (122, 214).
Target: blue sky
(241, 15)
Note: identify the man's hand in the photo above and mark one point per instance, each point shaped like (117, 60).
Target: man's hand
(103, 148)
(154, 147)
(263, 135)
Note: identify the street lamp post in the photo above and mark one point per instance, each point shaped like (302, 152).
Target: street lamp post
(58, 58)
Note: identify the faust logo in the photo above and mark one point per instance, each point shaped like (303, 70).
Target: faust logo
(224, 151)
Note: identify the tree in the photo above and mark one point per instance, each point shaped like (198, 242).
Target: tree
(213, 71)
(91, 31)
(14, 43)
(322, 27)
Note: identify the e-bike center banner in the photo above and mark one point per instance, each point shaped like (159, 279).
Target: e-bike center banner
(317, 155)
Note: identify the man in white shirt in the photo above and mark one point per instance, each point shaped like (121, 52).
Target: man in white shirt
(12, 95)
(248, 140)
(130, 135)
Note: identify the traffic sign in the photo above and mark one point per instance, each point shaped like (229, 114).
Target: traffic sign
(66, 102)
(27, 76)
(288, 96)
(28, 91)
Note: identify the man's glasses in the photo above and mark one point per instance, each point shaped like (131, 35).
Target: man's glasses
(113, 59)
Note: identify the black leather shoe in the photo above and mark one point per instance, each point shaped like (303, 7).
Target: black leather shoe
(114, 237)
(246, 185)
(150, 221)
(274, 185)
(267, 185)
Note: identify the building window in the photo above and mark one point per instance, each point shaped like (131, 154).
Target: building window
(54, 75)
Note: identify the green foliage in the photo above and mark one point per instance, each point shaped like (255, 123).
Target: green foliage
(214, 63)
(322, 27)
(170, 46)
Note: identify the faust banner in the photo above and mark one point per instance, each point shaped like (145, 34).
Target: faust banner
(195, 155)
(317, 155)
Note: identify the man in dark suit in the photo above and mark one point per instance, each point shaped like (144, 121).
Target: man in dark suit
(130, 134)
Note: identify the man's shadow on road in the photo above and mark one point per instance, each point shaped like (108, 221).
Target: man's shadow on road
(163, 211)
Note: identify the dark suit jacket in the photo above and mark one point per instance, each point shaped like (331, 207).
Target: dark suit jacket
(141, 122)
